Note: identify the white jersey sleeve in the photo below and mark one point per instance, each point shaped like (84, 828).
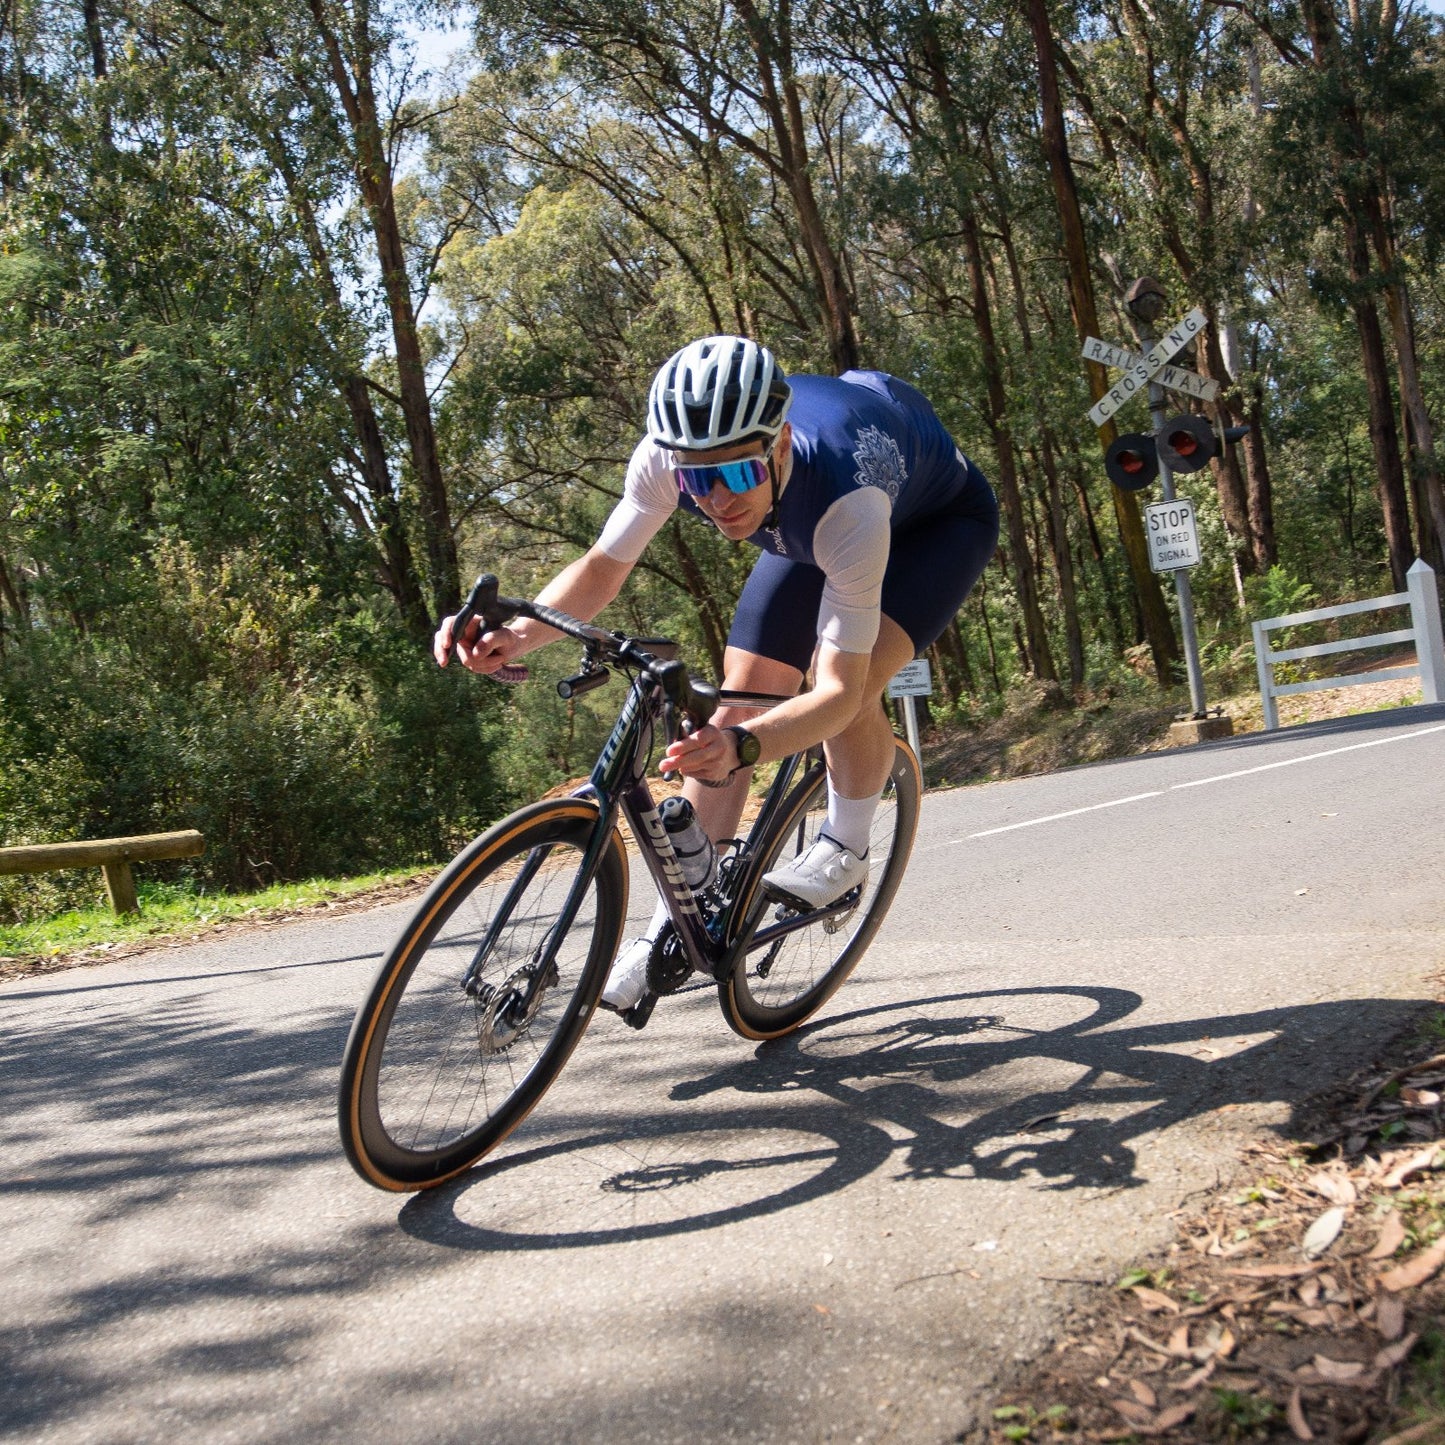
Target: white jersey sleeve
(649, 498)
(850, 545)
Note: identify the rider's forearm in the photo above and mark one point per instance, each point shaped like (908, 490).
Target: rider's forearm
(837, 697)
(582, 588)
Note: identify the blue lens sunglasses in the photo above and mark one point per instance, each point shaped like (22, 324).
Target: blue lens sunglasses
(739, 476)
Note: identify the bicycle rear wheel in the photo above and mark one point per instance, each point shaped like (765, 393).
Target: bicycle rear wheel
(482, 999)
(777, 984)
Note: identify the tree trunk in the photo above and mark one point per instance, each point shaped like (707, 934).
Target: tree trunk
(1359, 203)
(1384, 440)
(95, 38)
(997, 418)
(1158, 627)
(1257, 484)
(714, 626)
(399, 568)
(1228, 482)
(1419, 429)
(1064, 564)
(773, 47)
(387, 525)
(374, 174)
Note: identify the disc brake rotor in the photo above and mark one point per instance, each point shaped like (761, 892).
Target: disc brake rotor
(502, 1019)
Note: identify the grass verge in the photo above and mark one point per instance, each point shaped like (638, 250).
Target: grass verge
(169, 913)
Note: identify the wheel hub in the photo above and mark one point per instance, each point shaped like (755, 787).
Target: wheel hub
(503, 1013)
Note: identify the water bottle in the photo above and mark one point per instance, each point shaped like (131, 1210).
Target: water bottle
(695, 851)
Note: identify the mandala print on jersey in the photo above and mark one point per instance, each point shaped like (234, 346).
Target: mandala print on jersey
(880, 463)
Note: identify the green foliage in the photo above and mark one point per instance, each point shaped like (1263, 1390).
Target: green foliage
(184, 906)
(1236, 1415)
(298, 741)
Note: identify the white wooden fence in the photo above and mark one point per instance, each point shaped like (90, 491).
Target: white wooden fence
(1423, 600)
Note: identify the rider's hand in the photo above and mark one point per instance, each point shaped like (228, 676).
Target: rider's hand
(709, 754)
(483, 652)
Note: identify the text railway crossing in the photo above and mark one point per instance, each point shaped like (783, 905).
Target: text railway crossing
(1140, 373)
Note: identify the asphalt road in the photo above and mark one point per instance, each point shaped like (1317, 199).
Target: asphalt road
(1092, 987)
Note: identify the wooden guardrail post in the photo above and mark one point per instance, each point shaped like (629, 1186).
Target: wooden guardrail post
(113, 856)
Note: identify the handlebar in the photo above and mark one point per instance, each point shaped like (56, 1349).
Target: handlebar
(699, 700)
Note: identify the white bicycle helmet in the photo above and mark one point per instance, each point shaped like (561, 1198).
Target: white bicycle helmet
(717, 392)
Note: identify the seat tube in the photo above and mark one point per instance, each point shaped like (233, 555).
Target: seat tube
(658, 853)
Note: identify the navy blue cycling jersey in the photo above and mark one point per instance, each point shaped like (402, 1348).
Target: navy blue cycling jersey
(870, 464)
(864, 429)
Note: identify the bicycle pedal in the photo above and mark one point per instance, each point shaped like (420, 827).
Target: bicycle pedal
(788, 900)
(637, 1016)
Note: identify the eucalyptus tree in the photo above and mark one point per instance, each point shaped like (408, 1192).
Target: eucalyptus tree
(1158, 627)
(1357, 133)
(724, 74)
(597, 254)
(927, 76)
(1166, 92)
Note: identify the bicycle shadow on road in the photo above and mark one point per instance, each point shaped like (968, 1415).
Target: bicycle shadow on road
(1029, 1084)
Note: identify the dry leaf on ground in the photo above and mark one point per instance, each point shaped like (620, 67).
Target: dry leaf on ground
(1133, 1412)
(1338, 1371)
(1392, 1236)
(1423, 1266)
(1274, 1271)
(1416, 1164)
(1337, 1188)
(1390, 1317)
(1144, 1394)
(1391, 1355)
(1174, 1415)
(1153, 1300)
(1324, 1231)
(1295, 1417)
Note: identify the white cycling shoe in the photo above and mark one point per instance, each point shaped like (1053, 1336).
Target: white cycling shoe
(627, 982)
(821, 876)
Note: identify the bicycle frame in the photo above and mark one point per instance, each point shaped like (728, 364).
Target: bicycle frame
(618, 784)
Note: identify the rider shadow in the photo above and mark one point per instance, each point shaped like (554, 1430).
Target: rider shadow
(955, 1086)
(974, 1095)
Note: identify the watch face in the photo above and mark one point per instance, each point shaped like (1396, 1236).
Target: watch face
(748, 747)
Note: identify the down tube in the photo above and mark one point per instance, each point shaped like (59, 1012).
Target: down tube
(586, 872)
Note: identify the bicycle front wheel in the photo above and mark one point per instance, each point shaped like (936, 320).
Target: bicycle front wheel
(777, 983)
(483, 997)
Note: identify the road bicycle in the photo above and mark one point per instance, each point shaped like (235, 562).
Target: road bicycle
(482, 999)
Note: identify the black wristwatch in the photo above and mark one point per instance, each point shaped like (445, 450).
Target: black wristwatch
(748, 747)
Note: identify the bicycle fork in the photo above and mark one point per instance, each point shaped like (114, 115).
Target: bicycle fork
(540, 972)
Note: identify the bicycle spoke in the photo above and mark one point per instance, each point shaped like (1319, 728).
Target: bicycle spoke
(482, 999)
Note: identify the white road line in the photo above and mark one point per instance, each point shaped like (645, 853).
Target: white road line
(1195, 783)
(1054, 817)
(1310, 757)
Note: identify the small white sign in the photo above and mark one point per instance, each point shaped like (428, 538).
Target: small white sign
(1138, 376)
(1173, 535)
(913, 679)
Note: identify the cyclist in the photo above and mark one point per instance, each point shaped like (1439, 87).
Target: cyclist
(873, 527)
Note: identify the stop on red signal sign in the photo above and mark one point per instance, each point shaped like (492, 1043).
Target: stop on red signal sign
(1173, 535)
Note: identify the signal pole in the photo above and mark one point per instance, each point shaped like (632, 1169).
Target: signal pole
(1145, 301)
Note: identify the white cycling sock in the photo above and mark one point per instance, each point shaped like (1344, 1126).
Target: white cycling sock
(660, 915)
(849, 820)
